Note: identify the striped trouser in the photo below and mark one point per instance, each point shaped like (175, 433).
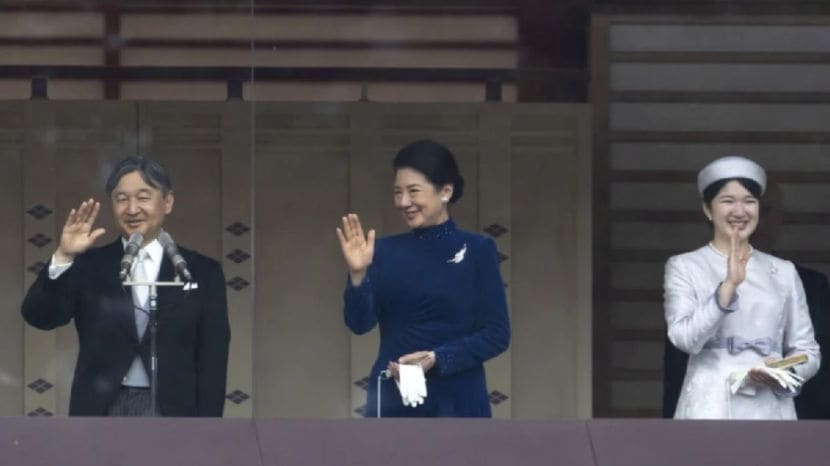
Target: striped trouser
(131, 402)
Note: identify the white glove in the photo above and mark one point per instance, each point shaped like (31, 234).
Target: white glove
(740, 380)
(788, 380)
(412, 384)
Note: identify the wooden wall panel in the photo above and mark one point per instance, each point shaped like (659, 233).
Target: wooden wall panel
(49, 24)
(38, 190)
(320, 26)
(144, 36)
(495, 202)
(736, 34)
(668, 156)
(638, 355)
(12, 381)
(50, 55)
(301, 190)
(215, 91)
(720, 117)
(635, 397)
(550, 264)
(410, 57)
(239, 253)
(795, 77)
(638, 315)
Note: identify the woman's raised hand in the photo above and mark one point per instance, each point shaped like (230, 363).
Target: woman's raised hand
(78, 235)
(736, 263)
(358, 249)
(735, 269)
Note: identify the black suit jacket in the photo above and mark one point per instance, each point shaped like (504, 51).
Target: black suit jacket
(193, 332)
(814, 400)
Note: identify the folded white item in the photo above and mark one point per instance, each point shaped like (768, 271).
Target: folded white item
(412, 384)
(740, 382)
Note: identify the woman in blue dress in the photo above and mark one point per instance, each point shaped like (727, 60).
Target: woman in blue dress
(435, 292)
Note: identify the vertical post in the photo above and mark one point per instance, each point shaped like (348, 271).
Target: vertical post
(234, 89)
(111, 42)
(40, 87)
(492, 91)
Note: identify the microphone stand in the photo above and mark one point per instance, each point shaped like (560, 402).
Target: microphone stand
(152, 327)
(382, 375)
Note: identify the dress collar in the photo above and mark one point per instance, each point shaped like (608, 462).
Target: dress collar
(435, 231)
(716, 251)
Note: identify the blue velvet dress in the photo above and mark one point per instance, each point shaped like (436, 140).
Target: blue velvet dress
(436, 288)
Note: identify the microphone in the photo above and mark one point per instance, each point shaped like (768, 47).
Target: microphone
(175, 257)
(130, 253)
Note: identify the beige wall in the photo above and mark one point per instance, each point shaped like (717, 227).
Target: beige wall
(288, 182)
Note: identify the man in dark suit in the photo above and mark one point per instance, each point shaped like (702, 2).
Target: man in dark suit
(82, 283)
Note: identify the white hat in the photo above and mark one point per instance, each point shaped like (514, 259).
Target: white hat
(733, 166)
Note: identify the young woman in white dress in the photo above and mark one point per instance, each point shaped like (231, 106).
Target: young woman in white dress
(734, 308)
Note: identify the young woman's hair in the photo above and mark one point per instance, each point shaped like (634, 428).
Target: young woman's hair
(713, 189)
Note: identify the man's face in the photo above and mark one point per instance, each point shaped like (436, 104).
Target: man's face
(137, 206)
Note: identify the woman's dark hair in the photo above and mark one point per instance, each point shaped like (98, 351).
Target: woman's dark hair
(151, 172)
(713, 189)
(435, 161)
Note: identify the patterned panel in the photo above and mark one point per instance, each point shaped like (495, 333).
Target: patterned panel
(496, 397)
(39, 212)
(15, 256)
(39, 189)
(237, 247)
(362, 383)
(495, 230)
(238, 228)
(40, 385)
(495, 214)
(40, 411)
(238, 256)
(40, 240)
(238, 283)
(238, 396)
(36, 267)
